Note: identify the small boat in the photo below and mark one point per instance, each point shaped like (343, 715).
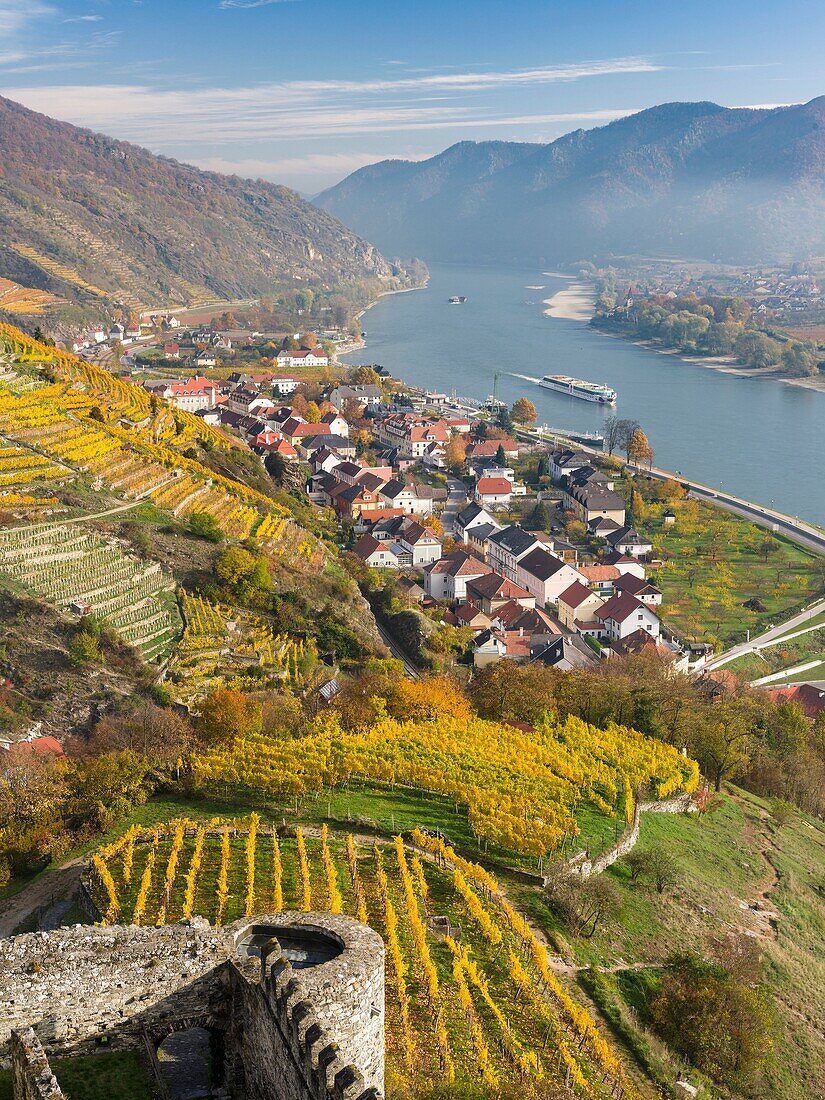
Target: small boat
(457, 300)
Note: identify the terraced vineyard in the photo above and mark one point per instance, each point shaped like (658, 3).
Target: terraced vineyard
(222, 644)
(15, 298)
(67, 563)
(88, 420)
(471, 996)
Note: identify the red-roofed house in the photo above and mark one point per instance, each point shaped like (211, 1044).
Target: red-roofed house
(493, 492)
(623, 614)
(810, 697)
(577, 608)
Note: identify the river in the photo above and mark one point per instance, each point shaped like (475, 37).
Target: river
(759, 439)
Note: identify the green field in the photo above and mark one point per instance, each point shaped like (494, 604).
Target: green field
(731, 858)
(716, 562)
(784, 655)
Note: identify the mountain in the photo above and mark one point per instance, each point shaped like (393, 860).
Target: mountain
(86, 215)
(685, 179)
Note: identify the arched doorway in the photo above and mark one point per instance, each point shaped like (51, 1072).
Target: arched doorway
(192, 1063)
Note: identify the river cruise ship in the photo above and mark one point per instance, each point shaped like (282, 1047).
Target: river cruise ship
(577, 387)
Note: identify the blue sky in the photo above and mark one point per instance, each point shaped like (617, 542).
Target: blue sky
(304, 91)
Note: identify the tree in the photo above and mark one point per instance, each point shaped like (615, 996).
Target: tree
(725, 739)
(156, 733)
(661, 869)
(639, 450)
(585, 902)
(203, 525)
(432, 521)
(365, 376)
(455, 453)
(246, 575)
(84, 648)
(719, 1024)
(312, 414)
(501, 457)
(800, 359)
(618, 432)
(524, 411)
(756, 350)
(227, 714)
(781, 811)
(309, 341)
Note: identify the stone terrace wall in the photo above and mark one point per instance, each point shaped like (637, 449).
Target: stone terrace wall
(31, 1073)
(584, 867)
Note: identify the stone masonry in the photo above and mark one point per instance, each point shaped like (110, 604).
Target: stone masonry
(316, 1033)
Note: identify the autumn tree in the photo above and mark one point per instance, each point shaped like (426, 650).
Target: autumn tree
(227, 714)
(455, 453)
(309, 340)
(245, 575)
(638, 449)
(312, 414)
(721, 1025)
(618, 432)
(524, 411)
(156, 733)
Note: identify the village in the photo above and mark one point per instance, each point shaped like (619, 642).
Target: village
(550, 572)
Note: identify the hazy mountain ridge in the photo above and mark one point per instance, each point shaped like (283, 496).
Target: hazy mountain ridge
(144, 228)
(739, 185)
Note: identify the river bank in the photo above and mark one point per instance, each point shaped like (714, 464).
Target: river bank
(726, 364)
(573, 303)
(756, 441)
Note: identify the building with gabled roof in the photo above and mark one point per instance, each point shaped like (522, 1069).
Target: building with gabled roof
(446, 579)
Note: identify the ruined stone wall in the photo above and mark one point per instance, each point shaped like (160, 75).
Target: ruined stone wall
(309, 1034)
(32, 1077)
(76, 985)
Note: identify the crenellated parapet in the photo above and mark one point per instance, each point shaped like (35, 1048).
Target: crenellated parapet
(297, 999)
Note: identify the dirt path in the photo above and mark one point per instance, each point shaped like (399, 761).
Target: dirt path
(764, 917)
(52, 886)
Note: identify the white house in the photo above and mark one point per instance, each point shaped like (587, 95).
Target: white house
(545, 576)
(446, 579)
(504, 549)
(493, 492)
(474, 515)
(305, 357)
(285, 385)
(422, 542)
(623, 614)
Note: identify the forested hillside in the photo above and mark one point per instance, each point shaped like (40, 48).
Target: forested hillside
(101, 220)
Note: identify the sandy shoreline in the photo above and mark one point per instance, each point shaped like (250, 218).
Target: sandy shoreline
(573, 303)
(726, 364)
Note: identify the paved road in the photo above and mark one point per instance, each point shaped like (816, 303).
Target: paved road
(456, 499)
(770, 635)
(800, 532)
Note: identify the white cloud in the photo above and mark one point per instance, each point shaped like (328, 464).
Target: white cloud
(16, 14)
(85, 19)
(247, 4)
(166, 119)
(312, 108)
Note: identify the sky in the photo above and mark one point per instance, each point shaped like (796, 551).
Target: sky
(302, 92)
